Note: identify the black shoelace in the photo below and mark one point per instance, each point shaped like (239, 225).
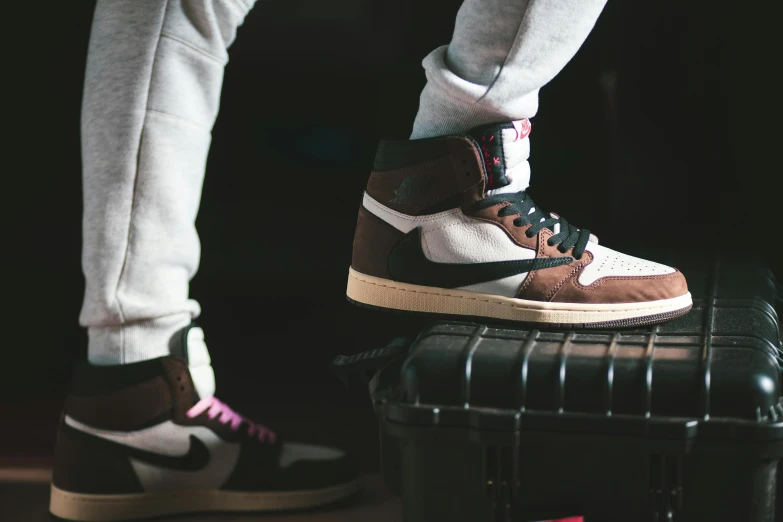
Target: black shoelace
(520, 203)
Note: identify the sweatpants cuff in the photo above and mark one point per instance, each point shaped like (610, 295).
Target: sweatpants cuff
(134, 342)
(450, 104)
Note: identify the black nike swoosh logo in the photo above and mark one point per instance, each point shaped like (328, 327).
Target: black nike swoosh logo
(195, 459)
(408, 264)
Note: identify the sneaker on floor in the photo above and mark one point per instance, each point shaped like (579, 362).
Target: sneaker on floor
(149, 439)
(446, 226)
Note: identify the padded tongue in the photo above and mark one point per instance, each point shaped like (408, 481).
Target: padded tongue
(490, 141)
(189, 344)
(504, 149)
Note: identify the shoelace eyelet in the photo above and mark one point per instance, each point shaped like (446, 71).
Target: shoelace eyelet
(528, 214)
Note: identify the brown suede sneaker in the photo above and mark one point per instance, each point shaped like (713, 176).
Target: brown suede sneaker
(136, 441)
(446, 226)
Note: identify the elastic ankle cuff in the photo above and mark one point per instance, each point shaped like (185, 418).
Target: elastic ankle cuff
(440, 115)
(134, 342)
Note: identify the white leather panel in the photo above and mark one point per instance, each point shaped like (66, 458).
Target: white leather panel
(402, 222)
(459, 239)
(171, 439)
(452, 237)
(608, 263)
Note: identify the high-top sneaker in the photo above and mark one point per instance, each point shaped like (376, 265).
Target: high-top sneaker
(149, 439)
(446, 226)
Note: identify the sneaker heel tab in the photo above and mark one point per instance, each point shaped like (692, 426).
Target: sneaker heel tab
(177, 375)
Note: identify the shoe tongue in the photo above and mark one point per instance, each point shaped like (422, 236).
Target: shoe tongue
(189, 345)
(503, 149)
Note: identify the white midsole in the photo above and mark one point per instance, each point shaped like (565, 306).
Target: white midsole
(385, 293)
(110, 508)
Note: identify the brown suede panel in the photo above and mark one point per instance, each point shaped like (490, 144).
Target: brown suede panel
(125, 410)
(372, 243)
(517, 234)
(624, 289)
(178, 377)
(420, 185)
(539, 285)
(561, 284)
(411, 189)
(542, 285)
(468, 168)
(87, 464)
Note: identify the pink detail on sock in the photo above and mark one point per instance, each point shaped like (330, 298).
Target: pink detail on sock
(496, 161)
(523, 128)
(215, 408)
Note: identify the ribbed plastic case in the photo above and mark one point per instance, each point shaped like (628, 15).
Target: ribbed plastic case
(677, 422)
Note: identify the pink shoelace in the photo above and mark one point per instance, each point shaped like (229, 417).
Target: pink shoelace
(214, 407)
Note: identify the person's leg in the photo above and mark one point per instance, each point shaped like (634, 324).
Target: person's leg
(151, 94)
(502, 53)
(447, 225)
(141, 428)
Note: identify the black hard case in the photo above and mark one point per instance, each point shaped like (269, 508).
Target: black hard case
(676, 422)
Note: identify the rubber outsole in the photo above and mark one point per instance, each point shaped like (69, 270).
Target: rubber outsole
(381, 294)
(640, 322)
(115, 508)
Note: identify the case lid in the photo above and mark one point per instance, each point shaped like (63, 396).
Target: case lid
(713, 373)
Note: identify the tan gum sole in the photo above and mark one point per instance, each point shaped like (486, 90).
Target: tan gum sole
(384, 293)
(112, 508)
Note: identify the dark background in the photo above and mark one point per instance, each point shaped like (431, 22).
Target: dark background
(662, 133)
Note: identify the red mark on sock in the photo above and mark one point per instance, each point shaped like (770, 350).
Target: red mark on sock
(523, 128)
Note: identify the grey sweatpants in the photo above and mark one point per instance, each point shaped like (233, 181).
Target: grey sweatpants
(151, 95)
